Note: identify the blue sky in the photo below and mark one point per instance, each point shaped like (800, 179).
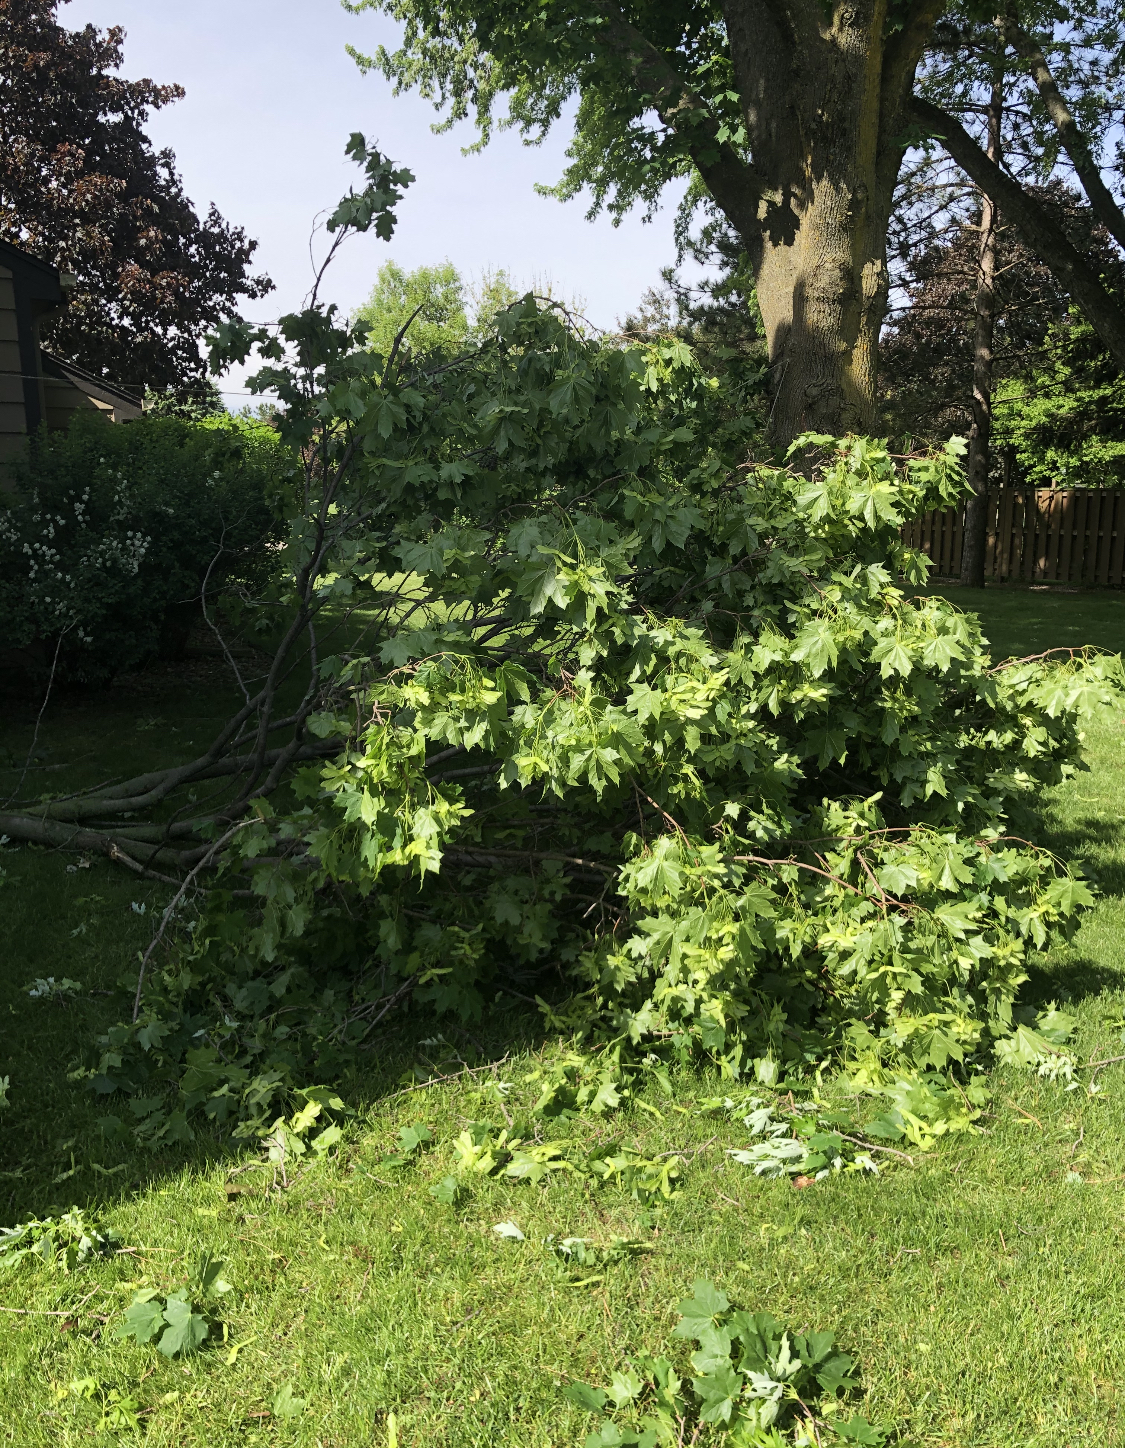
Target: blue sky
(271, 100)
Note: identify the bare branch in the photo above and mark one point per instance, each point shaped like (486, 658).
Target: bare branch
(1046, 238)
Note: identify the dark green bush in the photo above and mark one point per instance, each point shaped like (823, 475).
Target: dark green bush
(109, 534)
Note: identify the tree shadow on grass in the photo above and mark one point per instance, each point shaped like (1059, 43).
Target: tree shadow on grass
(1091, 842)
(417, 1054)
(1069, 980)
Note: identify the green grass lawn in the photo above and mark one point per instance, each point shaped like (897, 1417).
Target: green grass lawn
(981, 1289)
(1027, 620)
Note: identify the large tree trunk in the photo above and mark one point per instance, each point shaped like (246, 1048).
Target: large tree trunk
(975, 535)
(823, 295)
(824, 88)
(823, 91)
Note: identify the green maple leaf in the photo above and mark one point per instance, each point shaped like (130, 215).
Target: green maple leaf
(892, 658)
(816, 645)
(1067, 894)
(625, 1387)
(859, 1430)
(413, 1138)
(286, 1405)
(835, 1374)
(448, 1191)
(592, 1399)
(144, 1318)
(208, 1275)
(697, 1313)
(896, 878)
(719, 1392)
(714, 1350)
(186, 1329)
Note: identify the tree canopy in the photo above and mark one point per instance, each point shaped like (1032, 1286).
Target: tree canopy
(82, 187)
(432, 307)
(926, 360)
(794, 119)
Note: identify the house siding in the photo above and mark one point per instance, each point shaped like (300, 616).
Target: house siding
(36, 388)
(13, 414)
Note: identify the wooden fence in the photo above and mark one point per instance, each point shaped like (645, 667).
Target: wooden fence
(1042, 535)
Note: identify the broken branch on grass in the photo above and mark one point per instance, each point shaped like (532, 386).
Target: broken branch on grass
(452, 1076)
(870, 1146)
(175, 900)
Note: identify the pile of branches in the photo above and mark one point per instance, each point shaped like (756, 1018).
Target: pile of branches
(616, 715)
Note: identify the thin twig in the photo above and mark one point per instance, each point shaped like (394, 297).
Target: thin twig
(214, 626)
(800, 865)
(686, 1155)
(1032, 658)
(452, 1076)
(39, 718)
(175, 900)
(117, 854)
(53, 1312)
(870, 1146)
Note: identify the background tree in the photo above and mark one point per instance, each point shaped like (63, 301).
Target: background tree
(716, 313)
(976, 69)
(926, 356)
(440, 311)
(1061, 421)
(794, 116)
(738, 97)
(430, 301)
(82, 187)
(1064, 97)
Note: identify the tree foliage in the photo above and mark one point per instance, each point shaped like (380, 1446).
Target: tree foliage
(429, 301)
(926, 360)
(1058, 75)
(1063, 419)
(115, 537)
(791, 122)
(82, 187)
(606, 712)
(437, 313)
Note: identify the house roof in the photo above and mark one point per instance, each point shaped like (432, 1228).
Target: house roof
(39, 278)
(40, 290)
(110, 392)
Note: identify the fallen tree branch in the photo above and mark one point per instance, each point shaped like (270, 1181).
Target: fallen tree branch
(175, 900)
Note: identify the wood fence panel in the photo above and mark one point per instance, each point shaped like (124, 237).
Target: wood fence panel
(1015, 536)
(1027, 551)
(1117, 560)
(1042, 507)
(1105, 538)
(1081, 533)
(1054, 517)
(1093, 537)
(1050, 535)
(1088, 561)
(1067, 508)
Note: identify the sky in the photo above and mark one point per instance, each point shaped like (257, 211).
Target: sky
(272, 97)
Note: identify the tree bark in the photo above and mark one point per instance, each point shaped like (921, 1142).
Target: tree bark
(813, 90)
(974, 537)
(823, 295)
(824, 91)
